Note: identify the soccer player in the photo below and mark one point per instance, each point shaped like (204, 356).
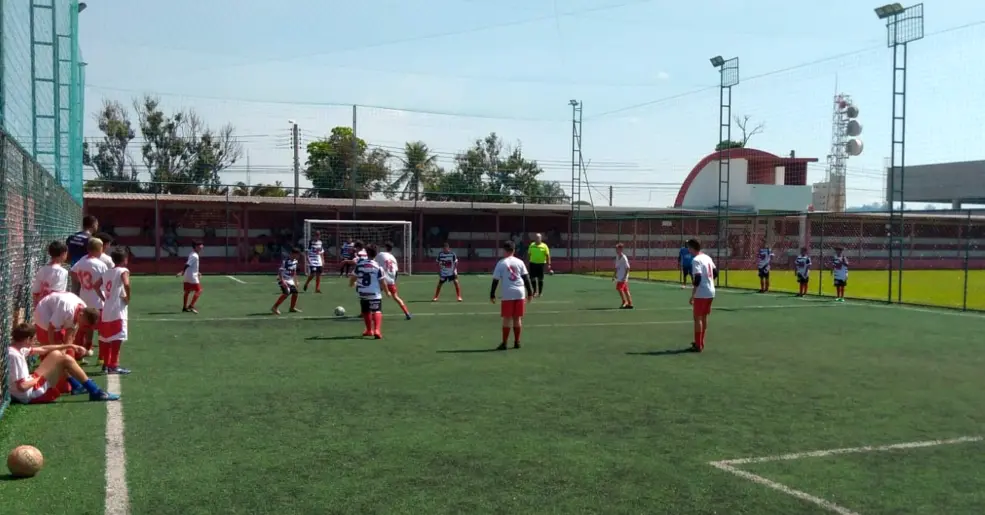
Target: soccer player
(684, 260)
(763, 259)
(53, 276)
(516, 290)
(107, 248)
(367, 278)
(839, 265)
(802, 267)
(390, 270)
(539, 255)
(56, 366)
(447, 271)
(348, 255)
(62, 318)
(77, 244)
(621, 277)
(703, 294)
(112, 328)
(88, 272)
(192, 279)
(316, 260)
(285, 278)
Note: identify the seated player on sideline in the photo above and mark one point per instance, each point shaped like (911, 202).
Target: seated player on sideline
(390, 270)
(56, 365)
(517, 291)
(112, 327)
(684, 260)
(448, 271)
(703, 293)
(367, 278)
(839, 270)
(802, 268)
(763, 259)
(192, 279)
(621, 278)
(316, 262)
(88, 272)
(53, 276)
(285, 279)
(347, 253)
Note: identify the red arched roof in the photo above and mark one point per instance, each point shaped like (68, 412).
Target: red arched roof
(736, 153)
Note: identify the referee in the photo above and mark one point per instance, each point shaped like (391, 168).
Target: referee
(539, 255)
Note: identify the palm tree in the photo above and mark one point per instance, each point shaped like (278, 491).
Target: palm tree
(417, 169)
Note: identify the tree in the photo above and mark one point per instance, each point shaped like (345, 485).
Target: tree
(748, 131)
(259, 190)
(722, 145)
(114, 167)
(331, 161)
(418, 169)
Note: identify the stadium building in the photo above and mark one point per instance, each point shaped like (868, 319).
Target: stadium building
(955, 183)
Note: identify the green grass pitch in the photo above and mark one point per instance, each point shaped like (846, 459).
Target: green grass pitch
(234, 411)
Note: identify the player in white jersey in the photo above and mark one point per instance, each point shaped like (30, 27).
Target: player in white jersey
(516, 292)
(63, 318)
(286, 277)
(192, 278)
(621, 277)
(57, 368)
(115, 284)
(802, 268)
(763, 260)
(839, 269)
(53, 276)
(703, 294)
(88, 272)
(107, 249)
(447, 272)
(368, 280)
(390, 270)
(316, 261)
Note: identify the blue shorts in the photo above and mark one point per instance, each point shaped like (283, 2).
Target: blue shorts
(448, 278)
(686, 270)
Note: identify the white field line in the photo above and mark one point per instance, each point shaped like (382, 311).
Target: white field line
(731, 466)
(192, 318)
(607, 324)
(235, 279)
(117, 493)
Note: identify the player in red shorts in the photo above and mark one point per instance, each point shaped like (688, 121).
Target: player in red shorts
(57, 364)
(192, 279)
(113, 320)
(703, 294)
(515, 294)
(621, 277)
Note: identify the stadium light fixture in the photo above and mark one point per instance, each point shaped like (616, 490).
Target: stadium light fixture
(572, 102)
(717, 61)
(82, 6)
(889, 10)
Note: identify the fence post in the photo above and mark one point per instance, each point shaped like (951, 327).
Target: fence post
(967, 261)
(820, 257)
(649, 246)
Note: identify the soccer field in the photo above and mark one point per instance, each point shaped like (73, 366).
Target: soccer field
(234, 411)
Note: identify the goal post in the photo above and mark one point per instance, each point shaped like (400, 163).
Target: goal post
(336, 232)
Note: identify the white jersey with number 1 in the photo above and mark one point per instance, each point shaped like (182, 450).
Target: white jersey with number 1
(509, 272)
(389, 265)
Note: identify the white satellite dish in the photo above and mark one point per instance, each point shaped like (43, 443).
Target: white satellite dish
(851, 111)
(853, 128)
(853, 147)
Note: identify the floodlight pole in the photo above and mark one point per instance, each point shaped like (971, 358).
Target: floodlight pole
(903, 26)
(577, 161)
(729, 74)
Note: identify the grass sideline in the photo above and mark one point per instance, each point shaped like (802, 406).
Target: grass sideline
(232, 411)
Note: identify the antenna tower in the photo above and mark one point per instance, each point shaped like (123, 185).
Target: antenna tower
(845, 129)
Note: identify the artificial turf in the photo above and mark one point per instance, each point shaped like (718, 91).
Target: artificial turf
(236, 411)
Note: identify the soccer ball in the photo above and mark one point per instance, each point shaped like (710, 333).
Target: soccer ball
(340, 311)
(25, 461)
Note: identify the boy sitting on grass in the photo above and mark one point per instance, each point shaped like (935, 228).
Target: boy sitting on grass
(56, 365)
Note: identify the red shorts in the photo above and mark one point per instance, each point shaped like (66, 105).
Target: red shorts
(392, 288)
(512, 308)
(50, 395)
(702, 307)
(42, 335)
(622, 286)
(110, 329)
(193, 287)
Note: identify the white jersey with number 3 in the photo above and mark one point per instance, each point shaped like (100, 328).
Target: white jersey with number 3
(90, 270)
(509, 272)
(191, 269)
(115, 307)
(389, 265)
(703, 266)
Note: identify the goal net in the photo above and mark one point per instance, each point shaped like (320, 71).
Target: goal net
(335, 233)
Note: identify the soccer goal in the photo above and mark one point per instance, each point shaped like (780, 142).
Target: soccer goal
(334, 233)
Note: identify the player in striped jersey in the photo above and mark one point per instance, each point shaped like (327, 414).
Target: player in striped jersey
(390, 270)
(316, 261)
(368, 280)
(447, 272)
(802, 267)
(285, 279)
(839, 269)
(763, 259)
(347, 253)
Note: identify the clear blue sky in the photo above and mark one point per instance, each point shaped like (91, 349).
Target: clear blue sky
(511, 66)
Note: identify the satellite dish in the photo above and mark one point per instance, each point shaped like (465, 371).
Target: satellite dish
(851, 111)
(853, 147)
(853, 128)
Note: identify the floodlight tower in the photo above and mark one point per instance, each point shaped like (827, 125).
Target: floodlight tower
(845, 129)
(577, 166)
(728, 71)
(903, 26)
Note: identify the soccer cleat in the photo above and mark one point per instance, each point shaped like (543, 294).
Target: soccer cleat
(79, 391)
(305, 288)
(295, 310)
(502, 346)
(516, 345)
(434, 299)
(367, 333)
(275, 311)
(408, 316)
(317, 291)
(193, 310)
(629, 306)
(459, 299)
(377, 336)
(102, 396)
(117, 371)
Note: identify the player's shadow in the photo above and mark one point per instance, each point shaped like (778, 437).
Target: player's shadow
(466, 351)
(668, 352)
(602, 309)
(160, 313)
(337, 338)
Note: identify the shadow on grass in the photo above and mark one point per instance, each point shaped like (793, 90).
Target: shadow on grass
(159, 313)
(9, 477)
(669, 352)
(338, 338)
(603, 309)
(467, 351)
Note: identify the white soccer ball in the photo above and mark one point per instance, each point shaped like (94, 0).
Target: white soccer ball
(340, 311)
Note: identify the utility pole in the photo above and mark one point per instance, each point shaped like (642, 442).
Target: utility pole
(296, 143)
(248, 183)
(610, 196)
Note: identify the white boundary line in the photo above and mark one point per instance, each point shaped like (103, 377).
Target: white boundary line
(459, 313)
(117, 493)
(731, 466)
(235, 279)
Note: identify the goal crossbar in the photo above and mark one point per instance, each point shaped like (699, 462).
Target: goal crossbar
(337, 232)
